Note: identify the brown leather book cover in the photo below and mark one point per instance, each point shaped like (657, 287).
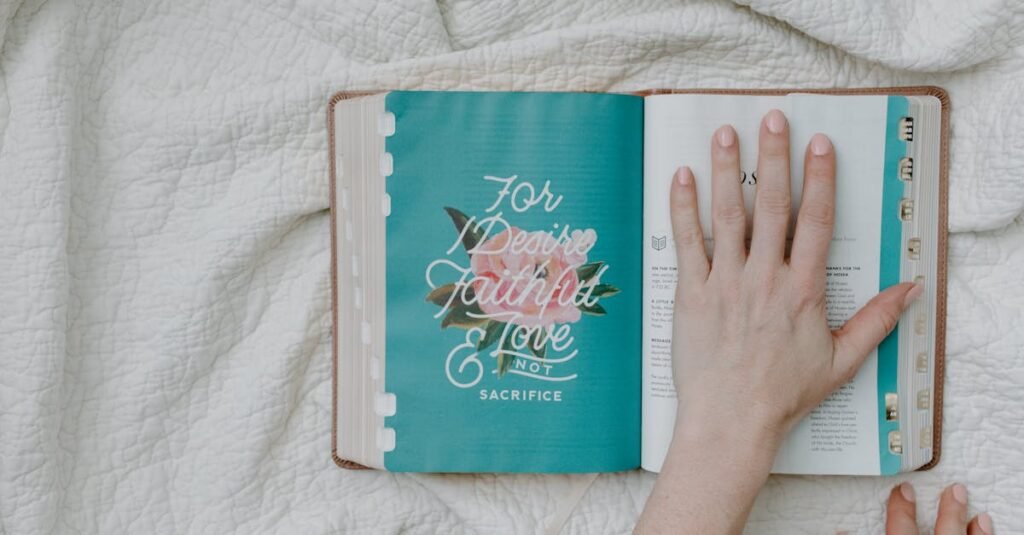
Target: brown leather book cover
(943, 234)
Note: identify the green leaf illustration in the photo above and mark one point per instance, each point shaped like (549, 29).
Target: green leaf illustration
(538, 352)
(594, 310)
(491, 334)
(505, 357)
(587, 271)
(604, 290)
(472, 236)
(459, 316)
(440, 295)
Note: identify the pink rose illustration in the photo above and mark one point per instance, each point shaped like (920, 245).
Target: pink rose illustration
(528, 274)
(531, 279)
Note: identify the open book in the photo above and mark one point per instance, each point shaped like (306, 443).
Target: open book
(503, 273)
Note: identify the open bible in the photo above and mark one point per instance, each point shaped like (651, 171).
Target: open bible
(503, 273)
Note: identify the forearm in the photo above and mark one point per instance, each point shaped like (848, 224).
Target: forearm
(711, 475)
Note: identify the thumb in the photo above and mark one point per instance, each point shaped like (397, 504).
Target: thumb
(870, 325)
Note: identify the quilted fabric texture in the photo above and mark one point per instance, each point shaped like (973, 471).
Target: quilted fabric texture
(164, 305)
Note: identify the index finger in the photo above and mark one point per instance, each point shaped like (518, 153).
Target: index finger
(691, 257)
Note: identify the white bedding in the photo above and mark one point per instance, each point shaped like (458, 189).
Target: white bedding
(164, 308)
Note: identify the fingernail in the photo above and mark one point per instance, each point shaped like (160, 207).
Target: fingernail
(820, 145)
(960, 494)
(985, 523)
(775, 121)
(684, 176)
(913, 294)
(726, 136)
(907, 490)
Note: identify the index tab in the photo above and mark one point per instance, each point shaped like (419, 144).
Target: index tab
(907, 209)
(386, 124)
(386, 439)
(895, 442)
(907, 169)
(384, 404)
(387, 164)
(892, 411)
(907, 129)
(922, 362)
(924, 399)
(914, 248)
(367, 334)
(375, 366)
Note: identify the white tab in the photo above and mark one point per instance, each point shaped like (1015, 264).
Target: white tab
(922, 362)
(907, 169)
(366, 332)
(907, 210)
(895, 442)
(386, 439)
(923, 400)
(375, 368)
(387, 164)
(914, 248)
(906, 129)
(384, 404)
(385, 205)
(892, 411)
(386, 124)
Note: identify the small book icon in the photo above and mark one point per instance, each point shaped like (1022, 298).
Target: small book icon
(659, 242)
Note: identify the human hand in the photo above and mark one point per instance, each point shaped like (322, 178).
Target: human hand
(752, 349)
(951, 519)
(751, 342)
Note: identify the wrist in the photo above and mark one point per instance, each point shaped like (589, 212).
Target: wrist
(746, 434)
(718, 461)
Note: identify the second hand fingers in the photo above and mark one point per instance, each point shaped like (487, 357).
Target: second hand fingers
(981, 525)
(901, 511)
(952, 516)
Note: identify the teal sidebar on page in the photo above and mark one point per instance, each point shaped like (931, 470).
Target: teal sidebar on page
(891, 242)
(514, 281)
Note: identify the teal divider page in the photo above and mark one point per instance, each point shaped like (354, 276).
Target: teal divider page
(544, 189)
(889, 274)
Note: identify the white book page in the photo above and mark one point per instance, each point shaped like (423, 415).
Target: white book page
(841, 436)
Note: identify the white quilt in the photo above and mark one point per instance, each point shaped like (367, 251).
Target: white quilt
(164, 307)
